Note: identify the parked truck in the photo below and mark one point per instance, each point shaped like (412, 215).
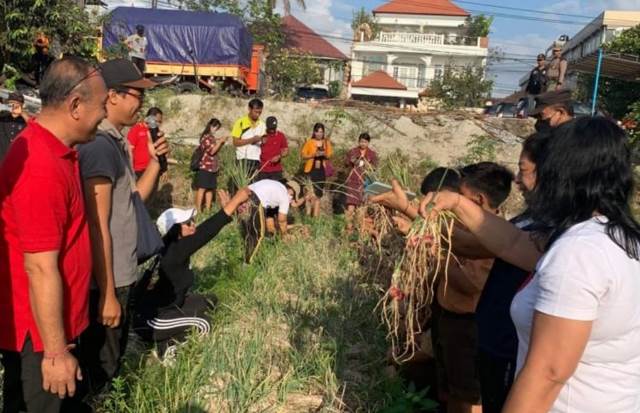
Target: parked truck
(189, 47)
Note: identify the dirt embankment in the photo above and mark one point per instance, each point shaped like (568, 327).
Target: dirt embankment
(443, 137)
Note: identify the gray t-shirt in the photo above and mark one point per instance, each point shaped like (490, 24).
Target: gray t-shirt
(108, 157)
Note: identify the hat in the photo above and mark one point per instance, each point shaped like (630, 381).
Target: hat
(15, 97)
(122, 72)
(550, 98)
(295, 186)
(272, 123)
(173, 216)
(542, 56)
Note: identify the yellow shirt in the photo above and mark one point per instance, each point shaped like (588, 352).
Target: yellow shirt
(309, 150)
(246, 128)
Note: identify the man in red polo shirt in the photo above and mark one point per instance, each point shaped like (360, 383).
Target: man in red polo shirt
(45, 256)
(274, 148)
(139, 139)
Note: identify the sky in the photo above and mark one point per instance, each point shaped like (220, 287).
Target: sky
(513, 33)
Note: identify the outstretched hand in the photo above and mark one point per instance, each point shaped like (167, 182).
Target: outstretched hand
(435, 202)
(240, 198)
(395, 199)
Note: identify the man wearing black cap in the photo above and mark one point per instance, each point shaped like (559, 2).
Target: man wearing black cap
(538, 77)
(137, 44)
(552, 109)
(274, 148)
(12, 122)
(110, 193)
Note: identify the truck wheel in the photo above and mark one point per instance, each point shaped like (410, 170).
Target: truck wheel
(187, 87)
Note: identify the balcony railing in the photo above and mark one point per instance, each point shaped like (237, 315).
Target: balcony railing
(428, 39)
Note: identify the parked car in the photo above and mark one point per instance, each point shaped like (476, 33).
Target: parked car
(305, 94)
(506, 110)
(525, 106)
(491, 110)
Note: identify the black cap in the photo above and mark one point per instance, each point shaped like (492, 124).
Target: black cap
(122, 72)
(272, 123)
(549, 99)
(542, 56)
(15, 97)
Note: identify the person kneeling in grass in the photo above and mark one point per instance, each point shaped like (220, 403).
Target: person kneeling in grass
(166, 311)
(270, 201)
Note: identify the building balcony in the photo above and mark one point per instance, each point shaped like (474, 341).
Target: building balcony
(425, 43)
(428, 39)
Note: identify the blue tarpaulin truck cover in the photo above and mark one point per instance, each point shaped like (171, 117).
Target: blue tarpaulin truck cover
(213, 38)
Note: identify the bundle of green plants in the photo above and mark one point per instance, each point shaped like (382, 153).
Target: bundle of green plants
(426, 259)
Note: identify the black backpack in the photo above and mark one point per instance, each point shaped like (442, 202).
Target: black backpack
(196, 157)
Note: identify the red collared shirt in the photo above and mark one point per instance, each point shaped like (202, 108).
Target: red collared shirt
(273, 146)
(138, 137)
(41, 209)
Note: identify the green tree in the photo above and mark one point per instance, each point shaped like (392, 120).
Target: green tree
(63, 21)
(614, 95)
(287, 70)
(477, 26)
(466, 87)
(361, 18)
(286, 4)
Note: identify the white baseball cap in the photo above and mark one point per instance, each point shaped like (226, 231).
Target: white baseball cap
(173, 216)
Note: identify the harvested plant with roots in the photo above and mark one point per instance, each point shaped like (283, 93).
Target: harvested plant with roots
(406, 304)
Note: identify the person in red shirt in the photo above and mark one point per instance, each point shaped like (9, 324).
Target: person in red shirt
(139, 139)
(45, 252)
(274, 148)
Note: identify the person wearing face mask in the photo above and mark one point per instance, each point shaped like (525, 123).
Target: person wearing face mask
(552, 109)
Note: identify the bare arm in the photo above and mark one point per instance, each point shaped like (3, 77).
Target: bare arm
(46, 298)
(59, 368)
(147, 181)
(238, 142)
(500, 237)
(563, 71)
(557, 344)
(282, 223)
(98, 203)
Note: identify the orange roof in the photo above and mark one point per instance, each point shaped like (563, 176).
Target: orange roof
(379, 80)
(429, 7)
(300, 37)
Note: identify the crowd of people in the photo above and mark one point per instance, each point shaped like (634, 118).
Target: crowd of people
(539, 313)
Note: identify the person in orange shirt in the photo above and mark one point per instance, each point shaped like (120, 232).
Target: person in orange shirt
(316, 153)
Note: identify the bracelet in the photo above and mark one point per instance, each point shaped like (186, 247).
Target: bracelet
(52, 356)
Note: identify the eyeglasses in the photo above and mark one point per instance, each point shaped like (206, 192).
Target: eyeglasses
(139, 95)
(92, 73)
(190, 222)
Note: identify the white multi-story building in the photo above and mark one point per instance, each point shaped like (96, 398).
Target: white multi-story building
(417, 40)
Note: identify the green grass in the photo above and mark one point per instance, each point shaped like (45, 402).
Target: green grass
(295, 328)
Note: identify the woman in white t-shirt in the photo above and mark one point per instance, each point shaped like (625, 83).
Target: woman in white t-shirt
(578, 318)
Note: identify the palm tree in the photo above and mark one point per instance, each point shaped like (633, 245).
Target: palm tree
(287, 5)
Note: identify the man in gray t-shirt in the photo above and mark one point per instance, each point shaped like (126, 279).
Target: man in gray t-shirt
(110, 188)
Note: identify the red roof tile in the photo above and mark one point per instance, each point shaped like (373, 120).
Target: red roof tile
(300, 37)
(428, 7)
(379, 80)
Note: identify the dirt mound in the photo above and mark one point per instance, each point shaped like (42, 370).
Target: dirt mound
(442, 137)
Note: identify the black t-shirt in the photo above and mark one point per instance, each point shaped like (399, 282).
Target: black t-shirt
(496, 332)
(10, 127)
